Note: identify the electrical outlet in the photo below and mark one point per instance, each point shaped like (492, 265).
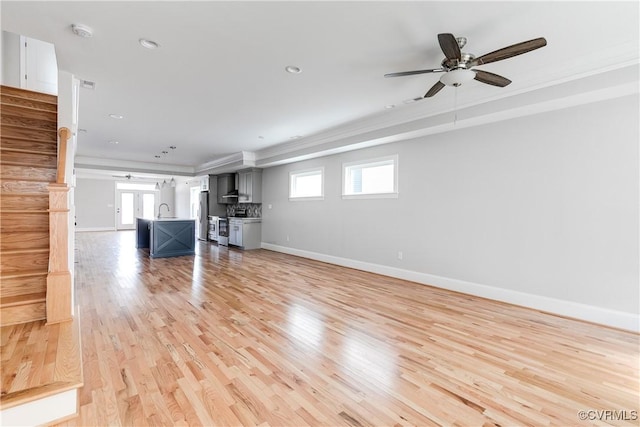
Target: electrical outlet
(400, 255)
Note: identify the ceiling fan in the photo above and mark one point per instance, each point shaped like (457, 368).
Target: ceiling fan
(457, 65)
(128, 176)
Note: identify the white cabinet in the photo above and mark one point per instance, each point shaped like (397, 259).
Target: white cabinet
(38, 66)
(204, 183)
(250, 186)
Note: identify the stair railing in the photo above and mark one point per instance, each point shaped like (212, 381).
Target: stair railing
(59, 282)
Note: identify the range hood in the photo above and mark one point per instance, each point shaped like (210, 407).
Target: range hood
(231, 194)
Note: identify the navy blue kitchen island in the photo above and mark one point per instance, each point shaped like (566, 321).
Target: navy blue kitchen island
(166, 237)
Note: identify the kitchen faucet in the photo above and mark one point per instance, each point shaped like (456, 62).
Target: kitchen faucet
(160, 208)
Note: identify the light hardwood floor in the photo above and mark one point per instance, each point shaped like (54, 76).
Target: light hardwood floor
(260, 338)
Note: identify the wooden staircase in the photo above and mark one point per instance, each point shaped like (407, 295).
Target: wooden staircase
(35, 282)
(28, 160)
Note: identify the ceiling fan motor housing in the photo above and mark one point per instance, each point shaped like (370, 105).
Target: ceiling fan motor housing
(453, 64)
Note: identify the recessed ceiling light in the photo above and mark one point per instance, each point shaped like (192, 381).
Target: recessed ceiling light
(114, 142)
(149, 44)
(410, 101)
(292, 69)
(295, 137)
(82, 30)
(390, 106)
(116, 116)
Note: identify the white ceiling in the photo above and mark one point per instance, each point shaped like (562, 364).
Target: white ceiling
(217, 86)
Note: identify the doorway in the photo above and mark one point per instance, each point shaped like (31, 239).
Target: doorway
(134, 204)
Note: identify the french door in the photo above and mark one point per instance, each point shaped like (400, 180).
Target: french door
(134, 204)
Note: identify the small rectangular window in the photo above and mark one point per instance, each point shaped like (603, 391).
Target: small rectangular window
(135, 186)
(370, 178)
(306, 184)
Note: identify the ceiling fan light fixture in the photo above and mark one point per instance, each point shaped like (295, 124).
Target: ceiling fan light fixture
(457, 77)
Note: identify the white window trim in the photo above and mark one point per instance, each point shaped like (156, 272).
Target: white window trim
(389, 195)
(307, 172)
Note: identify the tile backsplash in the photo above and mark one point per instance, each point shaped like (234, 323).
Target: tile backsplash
(254, 210)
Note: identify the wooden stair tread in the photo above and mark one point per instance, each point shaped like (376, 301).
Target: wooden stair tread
(29, 94)
(24, 273)
(50, 152)
(22, 211)
(13, 131)
(34, 160)
(34, 105)
(24, 186)
(21, 202)
(67, 373)
(16, 300)
(24, 251)
(13, 175)
(31, 104)
(23, 313)
(46, 163)
(30, 113)
(27, 123)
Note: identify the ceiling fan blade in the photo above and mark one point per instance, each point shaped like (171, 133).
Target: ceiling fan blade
(491, 79)
(411, 73)
(449, 46)
(434, 89)
(509, 51)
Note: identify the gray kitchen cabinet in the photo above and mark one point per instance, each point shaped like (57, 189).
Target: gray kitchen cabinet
(246, 233)
(250, 186)
(235, 232)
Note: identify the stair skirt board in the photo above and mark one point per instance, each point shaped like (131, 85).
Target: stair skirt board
(53, 408)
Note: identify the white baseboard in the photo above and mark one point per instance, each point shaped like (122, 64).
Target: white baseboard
(590, 313)
(82, 229)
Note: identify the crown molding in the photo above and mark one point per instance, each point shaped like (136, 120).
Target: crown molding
(82, 162)
(228, 163)
(383, 122)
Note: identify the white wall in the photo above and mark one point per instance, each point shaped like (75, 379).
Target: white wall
(541, 211)
(183, 199)
(10, 59)
(168, 196)
(95, 204)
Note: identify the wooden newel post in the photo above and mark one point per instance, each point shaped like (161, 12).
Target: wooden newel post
(59, 292)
